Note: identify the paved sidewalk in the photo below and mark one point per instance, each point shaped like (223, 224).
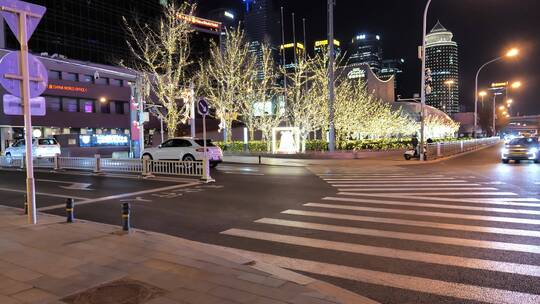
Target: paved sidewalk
(91, 263)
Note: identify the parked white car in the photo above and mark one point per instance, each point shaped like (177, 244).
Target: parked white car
(185, 149)
(41, 147)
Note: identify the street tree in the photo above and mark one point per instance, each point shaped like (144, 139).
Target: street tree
(225, 78)
(161, 54)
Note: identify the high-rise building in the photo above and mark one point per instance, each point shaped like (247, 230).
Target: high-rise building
(321, 47)
(262, 22)
(367, 49)
(391, 68)
(89, 30)
(442, 61)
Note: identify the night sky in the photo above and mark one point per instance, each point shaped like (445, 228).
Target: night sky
(484, 29)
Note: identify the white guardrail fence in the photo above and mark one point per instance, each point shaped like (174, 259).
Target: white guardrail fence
(111, 165)
(445, 149)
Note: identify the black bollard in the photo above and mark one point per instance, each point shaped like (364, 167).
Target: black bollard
(70, 204)
(126, 210)
(25, 205)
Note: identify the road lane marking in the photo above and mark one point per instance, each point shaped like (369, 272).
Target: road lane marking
(428, 213)
(439, 193)
(124, 195)
(406, 236)
(364, 200)
(431, 205)
(436, 225)
(392, 179)
(47, 194)
(400, 281)
(409, 255)
(401, 185)
(71, 185)
(493, 200)
(396, 182)
(419, 189)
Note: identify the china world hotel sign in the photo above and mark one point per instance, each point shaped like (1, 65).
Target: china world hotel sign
(59, 87)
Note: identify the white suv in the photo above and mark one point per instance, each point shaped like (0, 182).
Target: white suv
(41, 147)
(186, 149)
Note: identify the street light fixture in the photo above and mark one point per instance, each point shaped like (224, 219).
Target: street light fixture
(509, 54)
(516, 85)
(502, 108)
(423, 84)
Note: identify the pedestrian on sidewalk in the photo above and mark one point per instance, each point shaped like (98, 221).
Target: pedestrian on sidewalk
(414, 142)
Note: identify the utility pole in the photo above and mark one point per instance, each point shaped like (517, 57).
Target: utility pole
(423, 84)
(294, 39)
(283, 57)
(331, 55)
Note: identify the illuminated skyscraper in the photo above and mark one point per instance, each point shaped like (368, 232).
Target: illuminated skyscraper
(367, 49)
(442, 60)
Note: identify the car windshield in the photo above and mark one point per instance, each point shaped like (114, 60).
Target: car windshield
(200, 142)
(524, 141)
(46, 141)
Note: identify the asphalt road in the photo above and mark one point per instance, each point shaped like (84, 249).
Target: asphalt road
(465, 230)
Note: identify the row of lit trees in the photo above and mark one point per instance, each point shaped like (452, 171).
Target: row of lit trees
(243, 86)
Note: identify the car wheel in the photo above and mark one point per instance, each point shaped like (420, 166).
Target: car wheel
(9, 159)
(147, 157)
(407, 157)
(505, 161)
(213, 165)
(188, 157)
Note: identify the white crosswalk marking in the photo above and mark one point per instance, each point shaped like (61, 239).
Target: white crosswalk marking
(440, 206)
(423, 285)
(405, 236)
(428, 213)
(418, 189)
(388, 252)
(467, 228)
(437, 225)
(443, 193)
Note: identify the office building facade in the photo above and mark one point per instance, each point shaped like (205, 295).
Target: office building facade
(321, 47)
(90, 30)
(366, 49)
(442, 61)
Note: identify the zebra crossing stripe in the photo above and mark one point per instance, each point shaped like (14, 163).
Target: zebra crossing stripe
(354, 181)
(424, 186)
(429, 213)
(441, 193)
(493, 200)
(390, 179)
(405, 282)
(420, 189)
(436, 225)
(429, 205)
(405, 236)
(409, 255)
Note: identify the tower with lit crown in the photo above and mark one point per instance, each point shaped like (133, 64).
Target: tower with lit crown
(442, 60)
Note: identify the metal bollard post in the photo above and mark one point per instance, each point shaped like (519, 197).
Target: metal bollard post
(56, 162)
(259, 159)
(97, 168)
(25, 205)
(70, 205)
(23, 161)
(126, 211)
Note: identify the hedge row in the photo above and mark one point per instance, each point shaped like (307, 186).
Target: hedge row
(320, 145)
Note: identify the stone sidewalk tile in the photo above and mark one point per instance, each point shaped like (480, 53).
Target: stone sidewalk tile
(34, 295)
(49, 261)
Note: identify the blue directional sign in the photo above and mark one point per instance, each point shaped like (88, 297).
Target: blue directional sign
(10, 69)
(202, 107)
(34, 13)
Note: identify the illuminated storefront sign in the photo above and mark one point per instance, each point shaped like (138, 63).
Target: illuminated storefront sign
(356, 73)
(325, 42)
(100, 140)
(499, 84)
(60, 87)
(200, 21)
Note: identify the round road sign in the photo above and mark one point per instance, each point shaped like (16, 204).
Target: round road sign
(10, 64)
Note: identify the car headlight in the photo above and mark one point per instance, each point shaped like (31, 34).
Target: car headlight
(533, 150)
(504, 151)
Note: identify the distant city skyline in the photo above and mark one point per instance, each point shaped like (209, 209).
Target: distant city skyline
(399, 25)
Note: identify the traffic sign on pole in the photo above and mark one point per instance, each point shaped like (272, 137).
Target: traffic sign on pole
(10, 12)
(11, 79)
(14, 106)
(23, 18)
(202, 107)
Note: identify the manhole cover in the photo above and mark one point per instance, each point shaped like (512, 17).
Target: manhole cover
(117, 292)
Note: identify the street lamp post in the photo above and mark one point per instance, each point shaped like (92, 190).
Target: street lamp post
(331, 54)
(423, 84)
(511, 53)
